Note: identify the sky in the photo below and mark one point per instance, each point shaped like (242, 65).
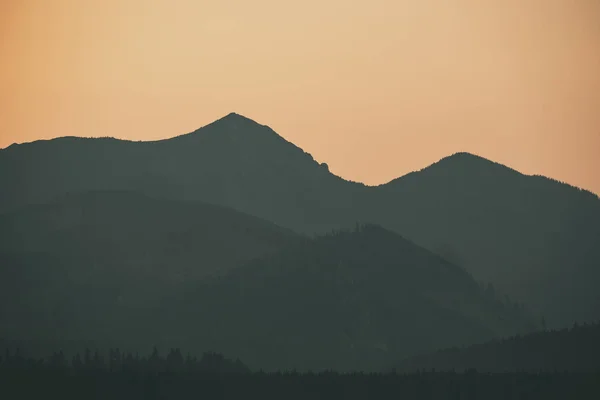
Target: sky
(375, 88)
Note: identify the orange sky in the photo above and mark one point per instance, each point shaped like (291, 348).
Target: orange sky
(375, 88)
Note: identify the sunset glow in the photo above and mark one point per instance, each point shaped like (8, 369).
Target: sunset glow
(375, 88)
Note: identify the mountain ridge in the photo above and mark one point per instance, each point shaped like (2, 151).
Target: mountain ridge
(234, 119)
(359, 296)
(156, 271)
(476, 162)
(522, 233)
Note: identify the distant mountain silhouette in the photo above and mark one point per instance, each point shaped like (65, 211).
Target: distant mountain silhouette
(233, 161)
(78, 267)
(349, 300)
(534, 238)
(120, 269)
(191, 239)
(530, 236)
(575, 349)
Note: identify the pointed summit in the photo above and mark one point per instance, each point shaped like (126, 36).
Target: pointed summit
(233, 116)
(463, 155)
(232, 125)
(235, 121)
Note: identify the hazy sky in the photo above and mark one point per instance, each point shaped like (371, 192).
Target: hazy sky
(376, 88)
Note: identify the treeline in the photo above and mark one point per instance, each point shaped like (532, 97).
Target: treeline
(575, 349)
(214, 377)
(116, 361)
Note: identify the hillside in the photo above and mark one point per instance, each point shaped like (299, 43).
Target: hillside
(575, 349)
(530, 236)
(350, 300)
(73, 267)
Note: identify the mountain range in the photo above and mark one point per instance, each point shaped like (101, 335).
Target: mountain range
(221, 239)
(127, 269)
(530, 236)
(350, 300)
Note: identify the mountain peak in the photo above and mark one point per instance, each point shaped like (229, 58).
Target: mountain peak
(235, 118)
(230, 125)
(460, 164)
(467, 162)
(233, 122)
(463, 156)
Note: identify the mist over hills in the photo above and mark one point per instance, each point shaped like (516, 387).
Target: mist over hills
(88, 266)
(203, 241)
(351, 300)
(129, 229)
(532, 237)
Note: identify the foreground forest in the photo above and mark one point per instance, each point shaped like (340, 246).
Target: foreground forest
(545, 365)
(575, 349)
(214, 377)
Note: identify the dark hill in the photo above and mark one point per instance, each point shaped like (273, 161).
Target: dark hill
(189, 239)
(531, 236)
(575, 350)
(351, 300)
(85, 264)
